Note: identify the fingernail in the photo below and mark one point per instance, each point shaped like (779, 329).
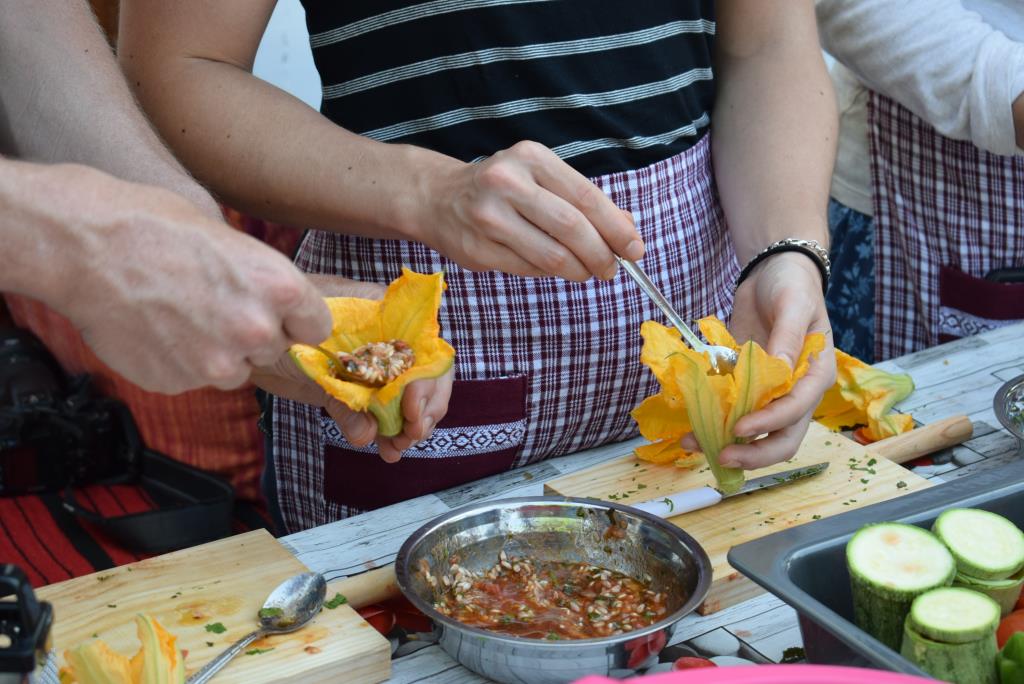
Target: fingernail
(610, 273)
(634, 250)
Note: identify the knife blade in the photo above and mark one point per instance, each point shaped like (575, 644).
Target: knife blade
(702, 497)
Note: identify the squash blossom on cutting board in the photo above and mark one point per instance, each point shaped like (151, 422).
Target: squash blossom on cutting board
(158, 661)
(864, 395)
(378, 347)
(694, 398)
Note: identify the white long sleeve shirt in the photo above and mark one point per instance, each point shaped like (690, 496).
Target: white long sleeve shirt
(957, 64)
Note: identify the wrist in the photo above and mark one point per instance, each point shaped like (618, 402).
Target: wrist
(417, 210)
(811, 251)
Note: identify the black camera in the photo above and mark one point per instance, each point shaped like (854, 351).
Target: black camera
(54, 431)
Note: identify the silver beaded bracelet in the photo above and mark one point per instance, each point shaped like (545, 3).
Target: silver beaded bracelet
(812, 248)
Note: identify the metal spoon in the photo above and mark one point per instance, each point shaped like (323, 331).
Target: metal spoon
(289, 607)
(722, 358)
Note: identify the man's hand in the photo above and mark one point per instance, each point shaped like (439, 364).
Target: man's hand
(424, 402)
(166, 296)
(778, 305)
(525, 211)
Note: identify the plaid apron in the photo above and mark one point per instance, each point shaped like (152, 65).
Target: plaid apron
(543, 367)
(946, 214)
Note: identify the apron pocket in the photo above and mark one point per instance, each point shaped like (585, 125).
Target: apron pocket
(970, 305)
(481, 435)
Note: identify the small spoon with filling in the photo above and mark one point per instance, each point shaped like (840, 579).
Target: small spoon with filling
(289, 607)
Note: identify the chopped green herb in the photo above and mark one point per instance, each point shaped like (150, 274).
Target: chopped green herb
(641, 486)
(338, 600)
(793, 654)
(95, 635)
(668, 502)
(270, 612)
(872, 462)
(863, 480)
(216, 628)
(257, 651)
(815, 517)
(552, 637)
(210, 644)
(111, 605)
(901, 485)
(828, 442)
(103, 578)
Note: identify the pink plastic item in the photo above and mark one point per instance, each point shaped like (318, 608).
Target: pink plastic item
(770, 674)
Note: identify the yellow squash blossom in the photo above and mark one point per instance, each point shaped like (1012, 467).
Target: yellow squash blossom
(864, 395)
(158, 661)
(408, 313)
(696, 399)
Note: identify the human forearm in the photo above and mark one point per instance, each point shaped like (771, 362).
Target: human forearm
(774, 135)
(66, 101)
(35, 241)
(264, 151)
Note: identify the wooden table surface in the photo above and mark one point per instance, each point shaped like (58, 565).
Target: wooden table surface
(957, 378)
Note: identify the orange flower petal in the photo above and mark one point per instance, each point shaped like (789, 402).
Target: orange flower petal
(664, 451)
(659, 417)
(715, 332)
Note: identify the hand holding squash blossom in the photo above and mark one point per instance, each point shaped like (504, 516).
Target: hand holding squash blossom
(378, 347)
(694, 398)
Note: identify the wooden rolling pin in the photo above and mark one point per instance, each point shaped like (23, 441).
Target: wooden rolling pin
(369, 587)
(924, 440)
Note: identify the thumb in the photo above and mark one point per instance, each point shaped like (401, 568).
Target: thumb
(309, 320)
(789, 329)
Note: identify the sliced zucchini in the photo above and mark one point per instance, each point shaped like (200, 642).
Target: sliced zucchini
(1004, 592)
(986, 546)
(953, 615)
(890, 565)
(971, 663)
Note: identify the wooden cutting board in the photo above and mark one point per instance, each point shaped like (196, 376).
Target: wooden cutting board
(854, 478)
(225, 581)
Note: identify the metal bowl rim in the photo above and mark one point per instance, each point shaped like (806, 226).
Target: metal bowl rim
(999, 405)
(700, 592)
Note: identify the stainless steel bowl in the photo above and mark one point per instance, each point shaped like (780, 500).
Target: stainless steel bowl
(549, 528)
(1009, 407)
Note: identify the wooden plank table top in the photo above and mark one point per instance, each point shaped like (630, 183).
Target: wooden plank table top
(957, 378)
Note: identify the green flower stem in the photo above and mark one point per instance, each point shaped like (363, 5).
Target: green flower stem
(729, 480)
(389, 417)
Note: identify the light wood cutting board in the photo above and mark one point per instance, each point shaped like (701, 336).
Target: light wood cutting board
(225, 581)
(850, 482)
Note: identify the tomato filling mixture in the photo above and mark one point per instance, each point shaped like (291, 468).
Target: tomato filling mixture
(549, 600)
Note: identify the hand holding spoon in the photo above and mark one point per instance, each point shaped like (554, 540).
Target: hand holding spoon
(289, 607)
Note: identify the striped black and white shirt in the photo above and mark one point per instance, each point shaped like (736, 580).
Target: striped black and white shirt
(609, 85)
